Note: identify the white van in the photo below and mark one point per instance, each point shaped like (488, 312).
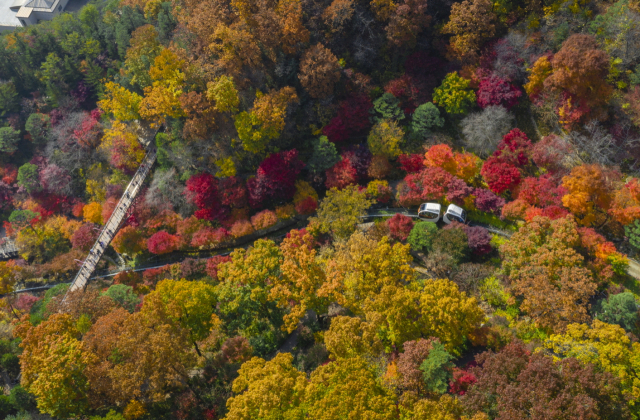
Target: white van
(429, 212)
(455, 214)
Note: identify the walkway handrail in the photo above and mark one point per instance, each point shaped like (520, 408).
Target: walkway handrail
(110, 228)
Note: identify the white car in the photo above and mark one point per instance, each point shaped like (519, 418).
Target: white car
(429, 212)
(455, 214)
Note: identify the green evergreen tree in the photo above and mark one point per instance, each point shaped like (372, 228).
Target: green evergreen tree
(436, 369)
(425, 118)
(620, 309)
(324, 156)
(387, 107)
(9, 140)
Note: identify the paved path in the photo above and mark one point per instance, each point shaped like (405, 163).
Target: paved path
(110, 228)
(634, 268)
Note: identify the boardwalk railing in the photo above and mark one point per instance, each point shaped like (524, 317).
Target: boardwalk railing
(110, 228)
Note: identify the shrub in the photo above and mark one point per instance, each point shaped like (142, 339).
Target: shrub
(380, 167)
(341, 174)
(421, 236)
(275, 178)
(21, 399)
(452, 240)
(492, 291)
(411, 163)
(241, 228)
(213, 263)
(285, 212)
(127, 278)
(307, 206)
(479, 240)
(264, 219)
(208, 237)
(400, 226)
(123, 295)
(304, 190)
(162, 242)
(379, 190)
(84, 237)
(487, 201)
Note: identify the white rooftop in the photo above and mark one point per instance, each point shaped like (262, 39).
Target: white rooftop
(8, 17)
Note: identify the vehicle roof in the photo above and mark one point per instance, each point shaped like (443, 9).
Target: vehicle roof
(431, 206)
(453, 209)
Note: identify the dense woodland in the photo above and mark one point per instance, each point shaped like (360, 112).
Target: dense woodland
(280, 123)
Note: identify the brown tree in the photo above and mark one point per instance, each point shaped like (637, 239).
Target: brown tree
(545, 269)
(580, 69)
(319, 71)
(515, 384)
(338, 14)
(472, 22)
(407, 21)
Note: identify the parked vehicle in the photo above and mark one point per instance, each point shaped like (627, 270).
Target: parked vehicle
(455, 214)
(430, 212)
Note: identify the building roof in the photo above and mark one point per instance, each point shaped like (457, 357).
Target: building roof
(8, 17)
(17, 4)
(40, 4)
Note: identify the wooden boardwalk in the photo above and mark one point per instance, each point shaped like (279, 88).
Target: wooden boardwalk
(110, 228)
(8, 249)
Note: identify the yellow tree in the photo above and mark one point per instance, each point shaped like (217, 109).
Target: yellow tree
(190, 304)
(266, 120)
(302, 277)
(9, 273)
(122, 103)
(385, 139)
(348, 388)
(453, 325)
(361, 267)
(339, 211)
(268, 390)
(223, 93)
(92, 213)
(351, 337)
(53, 364)
(162, 98)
